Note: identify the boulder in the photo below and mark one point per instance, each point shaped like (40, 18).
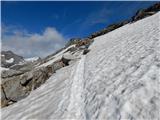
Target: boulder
(17, 85)
(10, 73)
(65, 61)
(85, 51)
(20, 85)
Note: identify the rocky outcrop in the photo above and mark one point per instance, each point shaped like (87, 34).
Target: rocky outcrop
(85, 42)
(10, 73)
(85, 51)
(140, 14)
(108, 29)
(8, 58)
(19, 86)
(73, 41)
(16, 85)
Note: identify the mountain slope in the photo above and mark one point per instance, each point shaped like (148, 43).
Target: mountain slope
(123, 80)
(118, 79)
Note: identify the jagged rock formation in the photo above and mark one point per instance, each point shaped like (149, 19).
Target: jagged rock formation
(140, 14)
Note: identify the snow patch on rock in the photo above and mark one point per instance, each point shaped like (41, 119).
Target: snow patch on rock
(11, 60)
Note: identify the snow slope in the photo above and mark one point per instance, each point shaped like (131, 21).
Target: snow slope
(118, 79)
(123, 80)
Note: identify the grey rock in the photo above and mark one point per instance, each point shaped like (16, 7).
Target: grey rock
(17, 85)
(10, 73)
(85, 51)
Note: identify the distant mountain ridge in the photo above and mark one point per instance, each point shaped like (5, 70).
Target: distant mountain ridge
(8, 58)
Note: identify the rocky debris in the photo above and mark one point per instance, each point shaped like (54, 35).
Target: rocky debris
(8, 58)
(27, 66)
(17, 85)
(58, 64)
(108, 29)
(73, 41)
(140, 14)
(84, 42)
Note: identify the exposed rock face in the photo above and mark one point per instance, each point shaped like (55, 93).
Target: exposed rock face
(85, 42)
(17, 84)
(140, 14)
(10, 73)
(73, 41)
(8, 58)
(108, 29)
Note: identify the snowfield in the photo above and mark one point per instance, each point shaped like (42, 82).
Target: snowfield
(119, 79)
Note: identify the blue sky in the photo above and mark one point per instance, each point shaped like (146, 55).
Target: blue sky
(39, 20)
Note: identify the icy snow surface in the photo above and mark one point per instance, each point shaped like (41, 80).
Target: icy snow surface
(119, 79)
